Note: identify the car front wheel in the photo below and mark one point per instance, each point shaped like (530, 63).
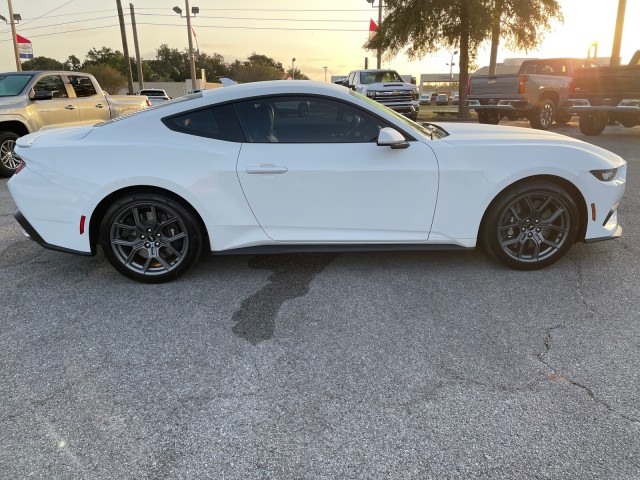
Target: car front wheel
(150, 238)
(593, 124)
(531, 226)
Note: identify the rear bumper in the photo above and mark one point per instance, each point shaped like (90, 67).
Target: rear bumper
(31, 233)
(507, 106)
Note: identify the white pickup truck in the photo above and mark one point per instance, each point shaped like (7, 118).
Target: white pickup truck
(37, 100)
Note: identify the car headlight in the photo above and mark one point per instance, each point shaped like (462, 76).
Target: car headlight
(371, 93)
(605, 175)
(415, 95)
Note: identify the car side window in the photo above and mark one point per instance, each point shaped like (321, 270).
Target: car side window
(83, 86)
(306, 120)
(53, 84)
(219, 123)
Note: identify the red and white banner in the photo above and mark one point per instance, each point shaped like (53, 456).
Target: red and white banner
(373, 28)
(24, 47)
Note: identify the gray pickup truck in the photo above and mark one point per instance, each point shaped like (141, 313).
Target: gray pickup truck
(37, 100)
(538, 92)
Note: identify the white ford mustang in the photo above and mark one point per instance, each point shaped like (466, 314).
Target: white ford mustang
(303, 166)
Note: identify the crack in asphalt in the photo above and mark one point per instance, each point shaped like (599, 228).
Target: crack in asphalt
(557, 377)
(290, 278)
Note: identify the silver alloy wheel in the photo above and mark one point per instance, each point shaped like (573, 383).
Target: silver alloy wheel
(534, 226)
(7, 155)
(149, 238)
(546, 115)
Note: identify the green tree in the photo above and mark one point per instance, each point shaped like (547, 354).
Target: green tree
(110, 79)
(426, 26)
(105, 56)
(256, 68)
(72, 63)
(171, 64)
(42, 63)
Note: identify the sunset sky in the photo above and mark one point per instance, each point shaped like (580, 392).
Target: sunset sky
(317, 33)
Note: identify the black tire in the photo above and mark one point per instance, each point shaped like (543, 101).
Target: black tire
(8, 161)
(150, 237)
(563, 117)
(543, 115)
(593, 124)
(512, 116)
(488, 117)
(530, 226)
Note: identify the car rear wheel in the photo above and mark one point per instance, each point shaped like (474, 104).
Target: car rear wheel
(531, 226)
(544, 114)
(9, 162)
(150, 238)
(593, 124)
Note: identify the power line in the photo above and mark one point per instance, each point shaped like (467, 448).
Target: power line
(264, 19)
(50, 11)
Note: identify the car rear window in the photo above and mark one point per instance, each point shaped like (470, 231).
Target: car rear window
(218, 122)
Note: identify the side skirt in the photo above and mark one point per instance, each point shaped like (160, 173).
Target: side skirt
(342, 248)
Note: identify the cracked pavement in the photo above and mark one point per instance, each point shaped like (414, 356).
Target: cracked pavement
(411, 365)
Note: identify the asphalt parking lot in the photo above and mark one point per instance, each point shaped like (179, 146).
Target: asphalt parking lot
(333, 366)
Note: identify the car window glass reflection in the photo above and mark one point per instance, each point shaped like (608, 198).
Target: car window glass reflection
(53, 84)
(216, 122)
(305, 120)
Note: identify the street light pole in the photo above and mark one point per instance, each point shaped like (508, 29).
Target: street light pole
(379, 57)
(191, 58)
(451, 64)
(293, 68)
(15, 38)
(617, 37)
(325, 74)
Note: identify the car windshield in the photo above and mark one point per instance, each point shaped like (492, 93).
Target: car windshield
(429, 130)
(12, 85)
(380, 77)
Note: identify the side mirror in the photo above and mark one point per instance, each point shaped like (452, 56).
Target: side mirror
(389, 137)
(42, 95)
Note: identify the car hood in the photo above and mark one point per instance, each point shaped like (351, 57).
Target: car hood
(470, 135)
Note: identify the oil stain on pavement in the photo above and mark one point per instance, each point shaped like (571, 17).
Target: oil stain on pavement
(291, 276)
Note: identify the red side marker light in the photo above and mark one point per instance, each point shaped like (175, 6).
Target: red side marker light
(20, 167)
(593, 212)
(82, 220)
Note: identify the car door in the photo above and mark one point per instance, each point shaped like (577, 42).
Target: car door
(312, 172)
(59, 111)
(92, 106)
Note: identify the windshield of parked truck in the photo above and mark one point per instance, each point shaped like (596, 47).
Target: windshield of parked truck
(380, 77)
(12, 85)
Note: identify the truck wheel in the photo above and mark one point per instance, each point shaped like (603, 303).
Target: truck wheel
(593, 124)
(488, 117)
(8, 160)
(543, 115)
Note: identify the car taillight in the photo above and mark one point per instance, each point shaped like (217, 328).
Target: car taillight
(522, 84)
(148, 102)
(21, 166)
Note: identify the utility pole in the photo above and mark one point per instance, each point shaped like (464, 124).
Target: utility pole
(379, 60)
(15, 38)
(135, 43)
(125, 48)
(325, 74)
(191, 59)
(617, 37)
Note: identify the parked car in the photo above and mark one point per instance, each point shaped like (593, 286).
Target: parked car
(455, 98)
(425, 99)
(538, 92)
(156, 95)
(442, 99)
(607, 94)
(37, 100)
(250, 181)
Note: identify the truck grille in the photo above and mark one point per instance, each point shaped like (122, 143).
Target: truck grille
(393, 96)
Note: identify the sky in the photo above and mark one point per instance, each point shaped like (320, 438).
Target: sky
(327, 33)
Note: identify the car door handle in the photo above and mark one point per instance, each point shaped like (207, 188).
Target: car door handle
(267, 169)
(70, 107)
(100, 105)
